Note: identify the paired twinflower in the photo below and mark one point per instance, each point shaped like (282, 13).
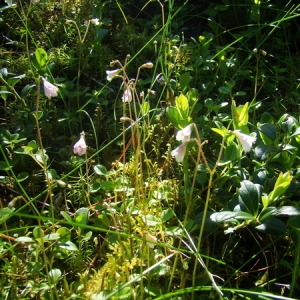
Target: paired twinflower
(80, 146)
(50, 89)
(183, 135)
(111, 74)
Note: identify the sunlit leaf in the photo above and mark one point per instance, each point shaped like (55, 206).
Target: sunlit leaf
(55, 275)
(41, 57)
(67, 246)
(24, 239)
(100, 170)
(182, 105)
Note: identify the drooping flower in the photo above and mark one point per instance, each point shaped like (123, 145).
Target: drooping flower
(245, 139)
(179, 152)
(127, 95)
(147, 65)
(111, 74)
(95, 21)
(50, 89)
(161, 79)
(184, 134)
(80, 146)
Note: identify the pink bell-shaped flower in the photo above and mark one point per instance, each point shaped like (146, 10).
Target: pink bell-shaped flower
(184, 134)
(50, 89)
(179, 152)
(80, 146)
(245, 139)
(127, 95)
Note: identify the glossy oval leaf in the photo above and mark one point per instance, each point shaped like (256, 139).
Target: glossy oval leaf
(266, 213)
(249, 197)
(272, 226)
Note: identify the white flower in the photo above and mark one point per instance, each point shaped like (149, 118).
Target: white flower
(50, 90)
(95, 21)
(127, 95)
(179, 152)
(160, 79)
(111, 74)
(184, 134)
(245, 139)
(80, 146)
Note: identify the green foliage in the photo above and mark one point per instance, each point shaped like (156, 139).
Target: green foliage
(136, 214)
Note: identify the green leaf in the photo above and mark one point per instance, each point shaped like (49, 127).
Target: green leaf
(55, 275)
(182, 105)
(288, 211)
(13, 80)
(24, 239)
(272, 226)
(51, 173)
(81, 215)
(64, 234)
(151, 220)
(184, 81)
(282, 184)
(32, 145)
(66, 216)
(240, 115)
(94, 187)
(267, 133)
(41, 57)
(223, 216)
(224, 90)
(4, 166)
(41, 156)
(145, 107)
(5, 213)
(38, 233)
(166, 215)
(231, 152)
(249, 197)
(67, 246)
(241, 215)
(37, 114)
(173, 116)
(102, 221)
(100, 170)
(266, 213)
(51, 237)
(173, 231)
(222, 132)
